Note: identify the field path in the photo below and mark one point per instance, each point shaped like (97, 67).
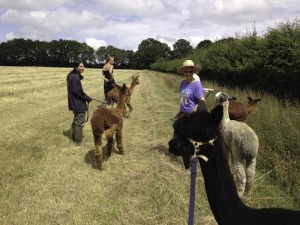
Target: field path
(46, 180)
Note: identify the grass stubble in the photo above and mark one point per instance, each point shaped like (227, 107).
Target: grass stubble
(46, 180)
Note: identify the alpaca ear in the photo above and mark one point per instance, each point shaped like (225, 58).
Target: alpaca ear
(124, 87)
(216, 116)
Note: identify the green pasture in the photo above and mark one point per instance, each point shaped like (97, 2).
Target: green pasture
(46, 180)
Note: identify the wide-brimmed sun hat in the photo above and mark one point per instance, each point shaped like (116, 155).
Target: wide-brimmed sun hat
(188, 63)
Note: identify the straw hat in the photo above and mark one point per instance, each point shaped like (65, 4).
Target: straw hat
(189, 63)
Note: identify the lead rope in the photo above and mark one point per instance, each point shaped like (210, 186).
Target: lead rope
(192, 189)
(194, 175)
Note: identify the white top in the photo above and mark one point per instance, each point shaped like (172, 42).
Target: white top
(196, 77)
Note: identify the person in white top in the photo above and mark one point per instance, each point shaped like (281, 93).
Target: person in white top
(195, 75)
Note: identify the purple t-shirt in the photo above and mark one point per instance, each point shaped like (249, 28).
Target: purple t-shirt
(190, 93)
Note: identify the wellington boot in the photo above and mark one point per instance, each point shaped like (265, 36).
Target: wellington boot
(78, 136)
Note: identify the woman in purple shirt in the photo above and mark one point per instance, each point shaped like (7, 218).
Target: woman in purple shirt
(191, 95)
(191, 90)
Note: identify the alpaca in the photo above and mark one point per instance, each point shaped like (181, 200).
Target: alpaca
(113, 96)
(109, 121)
(242, 144)
(228, 209)
(239, 111)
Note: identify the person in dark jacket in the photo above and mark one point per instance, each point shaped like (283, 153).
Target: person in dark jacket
(77, 102)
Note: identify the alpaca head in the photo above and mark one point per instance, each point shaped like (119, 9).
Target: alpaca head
(222, 97)
(135, 79)
(251, 100)
(200, 126)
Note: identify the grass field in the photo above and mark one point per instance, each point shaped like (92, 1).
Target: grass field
(47, 180)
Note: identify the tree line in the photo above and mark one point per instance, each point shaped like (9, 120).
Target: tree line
(268, 63)
(63, 53)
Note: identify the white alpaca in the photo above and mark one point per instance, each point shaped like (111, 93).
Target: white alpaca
(242, 142)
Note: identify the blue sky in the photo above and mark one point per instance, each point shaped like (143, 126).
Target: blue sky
(126, 23)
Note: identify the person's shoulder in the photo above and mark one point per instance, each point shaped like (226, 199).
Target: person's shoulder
(183, 81)
(72, 75)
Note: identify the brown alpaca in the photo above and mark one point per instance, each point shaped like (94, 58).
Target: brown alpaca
(239, 111)
(109, 121)
(113, 96)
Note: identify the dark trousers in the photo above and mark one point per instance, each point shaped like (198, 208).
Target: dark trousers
(79, 119)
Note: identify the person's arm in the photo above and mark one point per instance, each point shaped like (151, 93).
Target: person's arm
(102, 77)
(76, 89)
(201, 104)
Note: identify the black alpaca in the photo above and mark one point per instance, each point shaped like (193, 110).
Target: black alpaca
(227, 207)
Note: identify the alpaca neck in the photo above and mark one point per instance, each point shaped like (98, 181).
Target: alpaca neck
(132, 86)
(222, 195)
(121, 104)
(225, 118)
(251, 106)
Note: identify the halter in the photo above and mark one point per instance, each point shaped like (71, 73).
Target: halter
(196, 145)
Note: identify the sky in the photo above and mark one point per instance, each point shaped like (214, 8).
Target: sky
(124, 24)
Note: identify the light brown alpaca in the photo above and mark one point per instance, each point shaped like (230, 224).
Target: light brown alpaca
(113, 96)
(109, 121)
(239, 111)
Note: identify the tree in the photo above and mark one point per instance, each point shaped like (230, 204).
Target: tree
(101, 54)
(149, 51)
(204, 44)
(181, 48)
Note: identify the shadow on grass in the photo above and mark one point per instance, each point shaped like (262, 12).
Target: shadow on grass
(90, 157)
(66, 133)
(162, 149)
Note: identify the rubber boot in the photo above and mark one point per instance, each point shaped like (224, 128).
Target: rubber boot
(78, 136)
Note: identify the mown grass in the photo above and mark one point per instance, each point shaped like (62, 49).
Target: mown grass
(46, 180)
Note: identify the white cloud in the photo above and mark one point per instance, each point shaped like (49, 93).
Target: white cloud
(48, 24)
(134, 7)
(126, 23)
(230, 11)
(31, 4)
(9, 36)
(38, 14)
(94, 43)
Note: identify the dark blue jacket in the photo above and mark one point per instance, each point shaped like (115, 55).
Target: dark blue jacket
(76, 97)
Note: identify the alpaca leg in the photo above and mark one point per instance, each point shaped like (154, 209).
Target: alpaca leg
(250, 174)
(109, 133)
(240, 174)
(130, 109)
(124, 112)
(109, 145)
(119, 141)
(98, 149)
